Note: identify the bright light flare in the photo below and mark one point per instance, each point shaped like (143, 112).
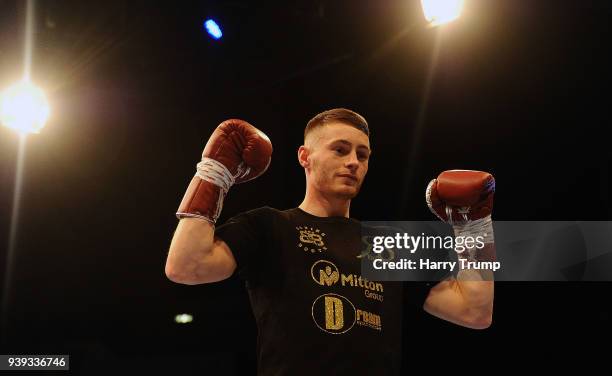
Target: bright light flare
(438, 12)
(183, 318)
(213, 29)
(24, 108)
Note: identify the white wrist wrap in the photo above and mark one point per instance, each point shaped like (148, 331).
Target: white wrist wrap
(216, 173)
(480, 227)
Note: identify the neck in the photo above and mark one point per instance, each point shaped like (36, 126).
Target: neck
(320, 205)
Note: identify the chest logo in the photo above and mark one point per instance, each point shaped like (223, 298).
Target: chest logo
(310, 239)
(324, 273)
(333, 313)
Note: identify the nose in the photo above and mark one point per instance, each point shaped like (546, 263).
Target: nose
(352, 162)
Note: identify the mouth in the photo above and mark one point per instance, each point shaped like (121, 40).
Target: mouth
(349, 176)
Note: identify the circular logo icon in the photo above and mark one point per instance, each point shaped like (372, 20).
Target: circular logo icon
(324, 273)
(333, 313)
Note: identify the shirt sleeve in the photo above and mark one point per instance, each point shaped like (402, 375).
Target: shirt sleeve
(245, 235)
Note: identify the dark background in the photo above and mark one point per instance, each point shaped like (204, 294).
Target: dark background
(519, 88)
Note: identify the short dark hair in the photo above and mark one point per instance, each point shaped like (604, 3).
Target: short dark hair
(338, 115)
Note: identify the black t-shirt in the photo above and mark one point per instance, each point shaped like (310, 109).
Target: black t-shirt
(315, 314)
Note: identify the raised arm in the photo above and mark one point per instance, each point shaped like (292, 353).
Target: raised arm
(236, 152)
(464, 199)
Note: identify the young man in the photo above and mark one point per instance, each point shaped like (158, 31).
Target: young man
(315, 313)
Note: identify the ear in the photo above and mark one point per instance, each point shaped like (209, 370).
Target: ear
(303, 153)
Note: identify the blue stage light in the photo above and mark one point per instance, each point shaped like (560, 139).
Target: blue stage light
(213, 29)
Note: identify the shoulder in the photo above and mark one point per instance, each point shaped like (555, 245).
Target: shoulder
(261, 214)
(264, 211)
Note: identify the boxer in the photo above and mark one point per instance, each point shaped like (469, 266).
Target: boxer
(315, 313)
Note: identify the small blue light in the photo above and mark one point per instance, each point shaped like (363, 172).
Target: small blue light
(213, 29)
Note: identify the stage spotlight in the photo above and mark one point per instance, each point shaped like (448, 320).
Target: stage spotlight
(213, 29)
(183, 318)
(24, 107)
(438, 12)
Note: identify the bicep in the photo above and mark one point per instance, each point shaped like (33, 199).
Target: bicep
(221, 263)
(447, 302)
(196, 256)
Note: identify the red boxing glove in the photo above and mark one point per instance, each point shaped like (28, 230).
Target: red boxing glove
(458, 196)
(464, 199)
(235, 153)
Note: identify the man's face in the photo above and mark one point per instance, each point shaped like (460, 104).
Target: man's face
(337, 159)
